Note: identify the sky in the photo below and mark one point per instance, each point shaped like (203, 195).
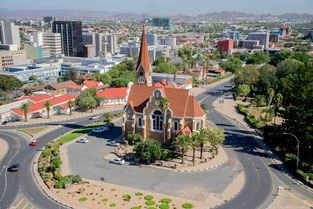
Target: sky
(167, 7)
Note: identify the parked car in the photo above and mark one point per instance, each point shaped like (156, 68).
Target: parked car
(109, 124)
(113, 143)
(83, 140)
(34, 143)
(101, 129)
(118, 161)
(94, 117)
(14, 167)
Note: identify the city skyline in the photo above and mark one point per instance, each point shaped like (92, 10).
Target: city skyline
(173, 7)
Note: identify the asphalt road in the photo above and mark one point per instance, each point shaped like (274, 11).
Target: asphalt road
(261, 180)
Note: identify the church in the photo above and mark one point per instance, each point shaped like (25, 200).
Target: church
(143, 114)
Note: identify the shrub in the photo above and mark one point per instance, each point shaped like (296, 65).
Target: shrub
(148, 197)
(187, 205)
(47, 176)
(166, 200)
(136, 207)
(150, 202)
(149, 150)
(118, 114)
(112, 204)
(46, 152)
(108, 119)
(104, 200)
(151, 208)
(82, 199)
(138, 193)
(164, 206)
(127, 196)
(107, 115)
(113, 190)
(58, 177)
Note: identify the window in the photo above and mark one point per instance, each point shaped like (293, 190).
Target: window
(157, 94)
(130, 132)
(157, 120)
(198, 124)
(129, 118)
(157, 102)
(139, 122)
(175, 126)
(141, 80)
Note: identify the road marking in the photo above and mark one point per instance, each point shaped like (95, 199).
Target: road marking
(25, 205)
(272, 187)
(20, 202)
(299, 195)
(32, 207)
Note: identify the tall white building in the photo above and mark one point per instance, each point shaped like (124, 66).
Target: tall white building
(112, 44)
(37, 38)
(168, 41)
(99, 42)
(152, 39)
(53, 40)
(9, 34)
(262, 37)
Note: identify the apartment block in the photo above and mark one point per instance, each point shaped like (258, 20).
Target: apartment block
(53, 40)
(9, 34)
(10, 58)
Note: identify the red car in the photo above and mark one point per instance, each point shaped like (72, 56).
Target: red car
(34, 143)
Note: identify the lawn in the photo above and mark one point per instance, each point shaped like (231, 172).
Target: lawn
(32, 131)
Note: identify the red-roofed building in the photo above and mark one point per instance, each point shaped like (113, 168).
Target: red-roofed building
(58, 106)
(143, 113)
(167, 84)
(113, 96)
(75, 89)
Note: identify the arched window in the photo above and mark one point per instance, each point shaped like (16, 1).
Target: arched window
(139, 122)
(141, 80)
(175, 126)
(198, 124)
(157, 120)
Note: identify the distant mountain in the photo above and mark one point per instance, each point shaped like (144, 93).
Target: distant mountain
(297, 16)
(226, 15)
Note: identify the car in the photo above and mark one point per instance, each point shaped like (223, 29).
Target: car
(14, 167)
(109, 124)
(113, 143)
(34, 143)
(83, 140)
(101, 129)
(118, 161)
(94, 117)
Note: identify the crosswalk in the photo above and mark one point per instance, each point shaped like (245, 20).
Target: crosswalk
(22, 203)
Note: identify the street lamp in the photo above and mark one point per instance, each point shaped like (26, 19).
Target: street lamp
(297, 146)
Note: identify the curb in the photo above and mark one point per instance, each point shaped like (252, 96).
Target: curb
(202, 169)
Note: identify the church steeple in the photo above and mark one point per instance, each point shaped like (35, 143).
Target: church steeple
(144, 69)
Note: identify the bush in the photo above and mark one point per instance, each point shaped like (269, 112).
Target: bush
(127, 196)
(118, 114)
(112, 205)
(134, 138)
(149, 150)
(187, 205)
(136, 207)
(58, 177)
(138, 193)
(104, 200)
(107, 115)
(46, 153)
(108, 119)
(164, 206)
(166, 200)
(82, 199)
(150, 202)
(47, 176)
(149, 197)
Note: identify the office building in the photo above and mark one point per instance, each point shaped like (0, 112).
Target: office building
(284, 31)
(9, 34)
(262, 37)
(234, 35)
(35, 52)
(162, 22)
(71, 37)
(10, 58)
(168, 41)
(37, 38)
(53, 40)
(89, 51)
(49, 19)
(88, 38)
(274, 38)
(8, 47)
(100, 43)
(152, 39)
(225, 45)
(112, 44)
(248, 44)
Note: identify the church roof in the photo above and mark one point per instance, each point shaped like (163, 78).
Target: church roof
(181, 103)
(144, 58)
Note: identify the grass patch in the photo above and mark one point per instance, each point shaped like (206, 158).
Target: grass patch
(187, 205)
(112, 205)
(82, 199)
(104, 200)
(32, 131)
(127, 196)
(166, 200)
(77, 133)
(138, 194)
(151, 208)
(148, 197)
(150, 202)
(113, 190)
(164, 206)
(136, 207)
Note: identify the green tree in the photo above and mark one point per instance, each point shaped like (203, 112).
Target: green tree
(281, 56)
(215, 136)
(102, 99)
(258, 58)
(232, 65)
(8, 82)
(148, 149)
(267, 80)
(165, 67)
(25, 108)
(277, 100)
(86, 101)
(135, 138)
(247, 75)
(164, 105)
(243, 90)
(119, 82)
(71, 74)
(287, 67)
(48, 105)
(194, 143)
(70, 105)
(259, 100)
(270, 96)
(183, 143)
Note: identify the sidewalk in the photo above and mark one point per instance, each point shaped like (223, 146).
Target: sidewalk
(4, 147)
(64, 117)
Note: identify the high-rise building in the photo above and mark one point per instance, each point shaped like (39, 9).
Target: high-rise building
(274, 38)
(100, 43)
(9, 34)
(162, 22)
(263, 37)
(284, 31)
(71, 37)
(37, 38)
(112, 44)
(34, 52)
(225, 45)
(88, 38)
(152, 39)
(231, 35)
(48, 19)
(53, 40)
(10, 58)
(168, 41)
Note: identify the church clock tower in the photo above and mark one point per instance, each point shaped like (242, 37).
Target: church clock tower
(144, 69)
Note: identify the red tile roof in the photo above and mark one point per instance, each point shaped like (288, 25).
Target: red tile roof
(181, 103)
(74, 86)
(54, 102)
(91, 84)
(144, 58)
(113, 93)
(165, 84)
(37, 98)
(185, 131)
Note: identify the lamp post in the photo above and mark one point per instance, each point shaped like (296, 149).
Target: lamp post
(297, 146)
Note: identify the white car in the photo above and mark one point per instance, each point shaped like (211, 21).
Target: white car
(94, 117)
(114, 143)
(83, 140)
(118, 161)
(100, 129)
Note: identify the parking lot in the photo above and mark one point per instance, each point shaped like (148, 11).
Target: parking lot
(88, 161)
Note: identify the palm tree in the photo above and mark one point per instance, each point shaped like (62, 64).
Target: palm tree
(194, 143)
(182, 142)
(270, 94)
(47, 105)
(70, 105)
(25, 108)
(165, 105)
(202, 140)
(278, 100)
(204, 108)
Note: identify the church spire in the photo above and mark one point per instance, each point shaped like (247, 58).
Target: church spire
(144, 58)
